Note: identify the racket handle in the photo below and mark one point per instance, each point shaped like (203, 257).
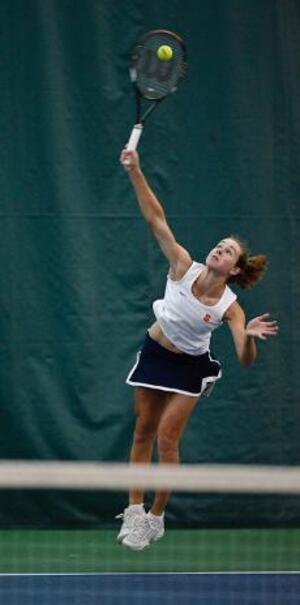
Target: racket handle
(134, 137)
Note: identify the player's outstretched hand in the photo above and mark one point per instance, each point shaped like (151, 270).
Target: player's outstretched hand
(130, 160)
(261, 327)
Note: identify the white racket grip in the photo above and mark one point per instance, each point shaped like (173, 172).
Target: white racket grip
(134, 137)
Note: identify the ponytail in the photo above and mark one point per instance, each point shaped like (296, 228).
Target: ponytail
(252, 268)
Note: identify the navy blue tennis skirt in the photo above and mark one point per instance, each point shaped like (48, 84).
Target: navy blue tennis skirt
(159, 368)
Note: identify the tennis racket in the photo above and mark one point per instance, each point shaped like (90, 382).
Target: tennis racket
(153, 78)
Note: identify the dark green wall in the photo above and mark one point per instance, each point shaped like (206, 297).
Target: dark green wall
(78, 268)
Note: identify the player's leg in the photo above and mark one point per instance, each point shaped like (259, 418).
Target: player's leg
(176, 411)
(172, 424)
(149, 406)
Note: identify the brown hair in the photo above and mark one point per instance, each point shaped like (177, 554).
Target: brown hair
(252, 268)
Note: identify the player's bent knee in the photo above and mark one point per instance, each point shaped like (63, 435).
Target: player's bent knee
(167, 444)
(142, 436)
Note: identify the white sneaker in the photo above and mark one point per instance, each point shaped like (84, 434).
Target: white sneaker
(145, 531)
(129, 516)
(157, 526)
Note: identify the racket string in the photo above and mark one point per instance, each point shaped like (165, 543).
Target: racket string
(153, 77)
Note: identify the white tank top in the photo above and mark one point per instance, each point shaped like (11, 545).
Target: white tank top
(186, 321)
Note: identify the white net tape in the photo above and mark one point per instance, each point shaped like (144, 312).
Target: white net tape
(114, 476)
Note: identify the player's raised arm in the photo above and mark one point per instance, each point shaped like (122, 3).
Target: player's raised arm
(154, 215)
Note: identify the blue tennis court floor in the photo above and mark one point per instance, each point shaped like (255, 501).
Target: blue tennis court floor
(151, 588)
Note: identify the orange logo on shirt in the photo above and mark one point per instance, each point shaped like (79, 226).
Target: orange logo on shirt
(206, 317)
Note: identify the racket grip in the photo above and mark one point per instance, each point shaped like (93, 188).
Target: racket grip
(134, 137)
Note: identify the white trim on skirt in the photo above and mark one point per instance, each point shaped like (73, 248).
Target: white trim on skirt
(207, 385)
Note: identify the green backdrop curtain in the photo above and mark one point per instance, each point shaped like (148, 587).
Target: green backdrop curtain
(79, 269)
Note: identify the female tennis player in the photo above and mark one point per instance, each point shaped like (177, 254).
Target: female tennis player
(175, 366)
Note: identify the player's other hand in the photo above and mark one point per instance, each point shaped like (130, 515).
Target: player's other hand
(130, 160)
(261, 327)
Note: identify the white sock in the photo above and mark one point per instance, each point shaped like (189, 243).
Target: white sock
(155, 518)
(136, 507)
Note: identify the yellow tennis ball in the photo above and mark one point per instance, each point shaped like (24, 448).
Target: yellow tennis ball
(165, 52)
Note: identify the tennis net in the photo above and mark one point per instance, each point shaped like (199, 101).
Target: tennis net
(240, 543)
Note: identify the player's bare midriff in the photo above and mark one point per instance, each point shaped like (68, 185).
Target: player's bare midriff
(156, 333)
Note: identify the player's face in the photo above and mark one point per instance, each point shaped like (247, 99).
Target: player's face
(224, 256)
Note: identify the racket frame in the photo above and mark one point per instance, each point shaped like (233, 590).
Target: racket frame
(140, 119)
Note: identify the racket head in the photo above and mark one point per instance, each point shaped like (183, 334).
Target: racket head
(153, 78)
